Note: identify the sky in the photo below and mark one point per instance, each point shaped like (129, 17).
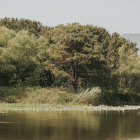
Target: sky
(122, 16)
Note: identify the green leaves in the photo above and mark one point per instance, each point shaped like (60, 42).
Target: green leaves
(72, 46)
(18, 56)
(68, 55)
(33, 27)
(5, 36)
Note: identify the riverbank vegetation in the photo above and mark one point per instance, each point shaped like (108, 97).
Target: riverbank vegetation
(63, 96)
(70, 63)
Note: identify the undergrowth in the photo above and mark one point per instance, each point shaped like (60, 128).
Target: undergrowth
(54, 95)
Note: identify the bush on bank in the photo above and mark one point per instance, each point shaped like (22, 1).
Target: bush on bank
(93, 96)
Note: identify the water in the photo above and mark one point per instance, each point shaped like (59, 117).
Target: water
(70, 125)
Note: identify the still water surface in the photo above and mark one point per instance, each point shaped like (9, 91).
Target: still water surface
(70, 125)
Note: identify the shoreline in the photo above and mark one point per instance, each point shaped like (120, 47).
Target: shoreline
(5, 107)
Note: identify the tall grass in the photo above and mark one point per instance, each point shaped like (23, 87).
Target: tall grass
(54, 95)
(89, 96)
(35, 95)
(48, 95)
(12, 94)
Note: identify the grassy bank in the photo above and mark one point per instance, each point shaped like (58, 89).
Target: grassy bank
(62, 96)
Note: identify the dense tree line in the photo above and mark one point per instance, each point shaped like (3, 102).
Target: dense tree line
(33, 27)
(72, 55)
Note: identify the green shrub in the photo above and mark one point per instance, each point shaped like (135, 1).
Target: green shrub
(62, 97)
(3, 93)
(115, 98)
(11, 99)
(7, 94)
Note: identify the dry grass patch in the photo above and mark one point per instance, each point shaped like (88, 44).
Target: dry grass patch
(47, 95)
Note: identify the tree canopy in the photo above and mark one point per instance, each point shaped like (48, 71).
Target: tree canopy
(33, 27)
(72, 55)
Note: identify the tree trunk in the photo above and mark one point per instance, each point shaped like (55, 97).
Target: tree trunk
(74, 86)
(74, 75)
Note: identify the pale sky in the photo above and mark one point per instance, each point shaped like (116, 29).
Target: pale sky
(122, 16)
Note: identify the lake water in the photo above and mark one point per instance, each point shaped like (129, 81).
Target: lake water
(70, 125)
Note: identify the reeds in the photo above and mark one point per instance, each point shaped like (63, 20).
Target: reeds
(89, 96)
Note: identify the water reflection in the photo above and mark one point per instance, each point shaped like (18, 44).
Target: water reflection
(70, 125)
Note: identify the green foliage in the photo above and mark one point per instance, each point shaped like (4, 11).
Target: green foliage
(11, 94)
(75, 50)
(62, 97)
(89, 96)
(116, 98)
(5, 36)
(11, 99)
(72, 55)
(19, 63)
(18, 59)
(96, 96)
(40, 77)
(47, 95)
(34, 27)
